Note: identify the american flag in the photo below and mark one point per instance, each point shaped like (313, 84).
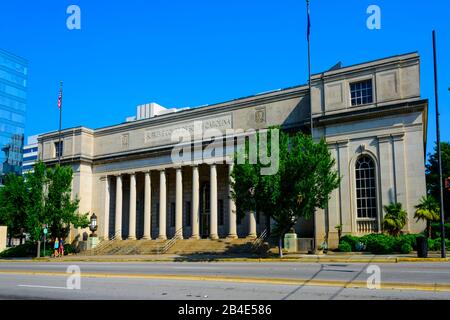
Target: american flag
(60, 99)
(309, 21)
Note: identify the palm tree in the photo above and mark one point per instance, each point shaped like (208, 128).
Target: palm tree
(428, 209)
(395, 218)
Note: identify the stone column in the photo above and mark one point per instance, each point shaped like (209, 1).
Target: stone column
(332, 212)
(347, 212)
(252, 224)
(400, 174)
(195, 203)
(162, 205)
(132, 224)
(106, 216)
(232, 234)
(147, 207)
(118, 231)
(213, 203)
(179, 203)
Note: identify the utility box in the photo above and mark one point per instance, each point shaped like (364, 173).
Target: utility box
(3, 235)
(290, 242)
(92, 242)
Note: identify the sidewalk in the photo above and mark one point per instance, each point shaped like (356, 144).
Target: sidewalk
(301, 258)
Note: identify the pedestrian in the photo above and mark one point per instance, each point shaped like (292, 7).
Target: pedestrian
(61, 248)
(56, 247)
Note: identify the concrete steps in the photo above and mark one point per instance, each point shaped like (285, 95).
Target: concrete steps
(207, 246)
(185, 246)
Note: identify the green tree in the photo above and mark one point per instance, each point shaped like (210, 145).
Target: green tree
(13, 198)
(428, 210)
(303, 182)
(35, 183)
(395, 219)
(60, 210)
(432, 174)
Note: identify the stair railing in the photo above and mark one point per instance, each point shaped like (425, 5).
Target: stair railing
(104, 244)
(171, 242)
(259, 241)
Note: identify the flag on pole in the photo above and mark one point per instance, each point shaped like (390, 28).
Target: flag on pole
(309, 21)
(60, 98)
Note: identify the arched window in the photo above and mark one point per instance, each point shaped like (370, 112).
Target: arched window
(366, 190)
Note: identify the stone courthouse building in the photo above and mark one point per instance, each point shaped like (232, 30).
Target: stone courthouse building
(371, 115)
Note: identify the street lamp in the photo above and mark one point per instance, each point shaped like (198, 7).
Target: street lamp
(93, 226)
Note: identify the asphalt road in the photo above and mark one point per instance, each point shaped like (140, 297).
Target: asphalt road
(214, 280)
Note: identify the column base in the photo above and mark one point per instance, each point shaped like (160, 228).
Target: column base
(232, 236)
(146, 238)
(252, 236)
(118, 238)
(194, 237)
(162, 238)
(131, 238)
(214, 237)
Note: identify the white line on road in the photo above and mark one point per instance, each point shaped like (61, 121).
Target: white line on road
(42, 287)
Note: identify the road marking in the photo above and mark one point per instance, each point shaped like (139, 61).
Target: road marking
(42, 287)
(278, 281)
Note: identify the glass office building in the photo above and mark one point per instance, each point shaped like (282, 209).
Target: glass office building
(13, 98)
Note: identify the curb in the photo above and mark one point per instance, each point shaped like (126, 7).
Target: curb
(261, 260)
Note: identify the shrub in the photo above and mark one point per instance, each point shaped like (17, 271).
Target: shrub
(345, 247)
(68, 249)
(28, 249)
(410, 239)
(351, 240)
(435, 244)
(406, 248)
(379, 243)
(436, 230)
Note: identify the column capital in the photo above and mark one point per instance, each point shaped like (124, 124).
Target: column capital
(398, 136)
(342, 143)
(384, 138)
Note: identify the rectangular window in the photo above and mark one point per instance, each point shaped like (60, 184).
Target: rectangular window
(172, 214)
(59, 148)
(361, 92)
(221, 213)
(188, 214)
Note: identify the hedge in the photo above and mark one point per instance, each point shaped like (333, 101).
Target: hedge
(380, 243)
(29, 249)
(436, 230)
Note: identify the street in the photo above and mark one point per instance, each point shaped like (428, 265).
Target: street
(223, 281)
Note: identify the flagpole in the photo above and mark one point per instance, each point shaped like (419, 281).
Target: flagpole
(438, 141)
(314, 248)
(60, 123)
(309, 66)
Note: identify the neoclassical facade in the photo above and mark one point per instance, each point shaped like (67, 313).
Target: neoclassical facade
(371, 115)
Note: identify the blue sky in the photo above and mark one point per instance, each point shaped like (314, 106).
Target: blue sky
(182, 53)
